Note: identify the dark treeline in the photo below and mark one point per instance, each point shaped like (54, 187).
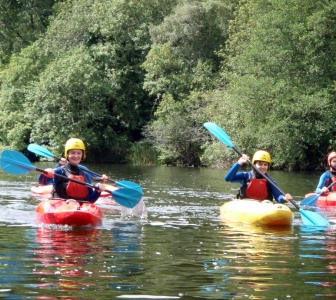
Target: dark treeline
(136, 80)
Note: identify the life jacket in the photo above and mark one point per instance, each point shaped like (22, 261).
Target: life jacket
(73, 189)
(255, 188)
(332, 180)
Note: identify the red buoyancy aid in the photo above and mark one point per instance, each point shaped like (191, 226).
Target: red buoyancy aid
(332, 179)
(76, 190)
(255, 188)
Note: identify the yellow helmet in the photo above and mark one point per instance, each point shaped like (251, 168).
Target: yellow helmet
(261, 155)
(74, 144)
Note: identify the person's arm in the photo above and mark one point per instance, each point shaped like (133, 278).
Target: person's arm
(277, 195)
(233, 176)
(322, 184)
(94, 194)
(44, 180)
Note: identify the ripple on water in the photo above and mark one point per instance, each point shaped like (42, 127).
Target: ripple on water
(182, 250)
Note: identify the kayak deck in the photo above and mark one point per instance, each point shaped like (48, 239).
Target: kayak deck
(68, 212)
(256, 212)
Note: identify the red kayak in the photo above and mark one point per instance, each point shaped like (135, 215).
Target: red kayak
(45, 190)
(68, 212)
(325, 200)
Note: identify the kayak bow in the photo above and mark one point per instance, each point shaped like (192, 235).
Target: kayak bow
(68, 212)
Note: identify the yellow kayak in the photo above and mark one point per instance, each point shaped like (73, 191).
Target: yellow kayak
(256, 212)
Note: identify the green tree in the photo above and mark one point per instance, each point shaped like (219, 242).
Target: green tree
(181, 66)
(84, 78)
(20, 74)
(71, 102)
(280, 69)
(21, 23)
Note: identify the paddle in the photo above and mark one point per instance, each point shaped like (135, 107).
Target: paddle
(37, 149)
(16, 163)
(312, 199)
(308, 217)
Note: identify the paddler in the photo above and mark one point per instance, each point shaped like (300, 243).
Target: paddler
(254, 186)
(328, 177)
(74, 153)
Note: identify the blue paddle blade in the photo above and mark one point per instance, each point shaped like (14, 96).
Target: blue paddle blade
(37, 149)
(15, 163)
(219, 133)
(312, 218)
(129, 185)
(126, 197)
(310, 200)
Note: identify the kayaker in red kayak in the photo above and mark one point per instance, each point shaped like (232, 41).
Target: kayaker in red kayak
(254, 186)
(328, 177)
(74, 154)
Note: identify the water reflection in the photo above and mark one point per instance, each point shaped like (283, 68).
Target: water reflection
(69, 259)
(251, 258)
(62, 253)
(318, 247)
(329, 213)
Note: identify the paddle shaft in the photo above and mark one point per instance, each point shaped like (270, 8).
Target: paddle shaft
(86, 170)
(328, 187)
(71, 179)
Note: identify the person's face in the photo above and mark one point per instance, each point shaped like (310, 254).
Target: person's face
(333, 163)
(75, 156)
(262, 166)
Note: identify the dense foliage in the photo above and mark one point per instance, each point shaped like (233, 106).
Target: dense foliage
(280, 65)
(143, 76)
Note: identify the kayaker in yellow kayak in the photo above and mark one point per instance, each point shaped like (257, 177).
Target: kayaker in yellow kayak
(254, 186)
(74, 153)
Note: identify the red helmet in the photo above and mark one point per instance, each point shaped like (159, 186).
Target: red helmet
(331, 156)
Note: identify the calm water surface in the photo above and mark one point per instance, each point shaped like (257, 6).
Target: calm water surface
(181, 250)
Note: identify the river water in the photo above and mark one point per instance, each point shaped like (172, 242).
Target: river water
(181, 250)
